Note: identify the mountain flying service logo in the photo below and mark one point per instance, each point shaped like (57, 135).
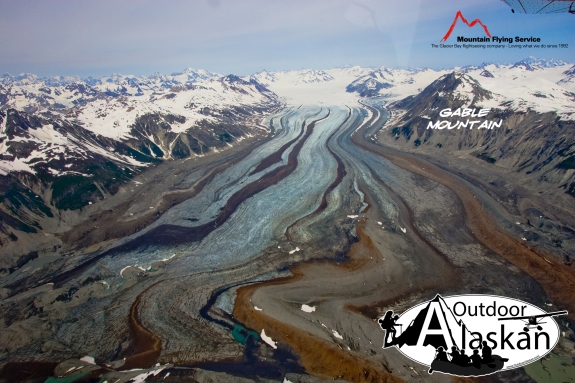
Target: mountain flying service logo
(458, 16)
(500, 333)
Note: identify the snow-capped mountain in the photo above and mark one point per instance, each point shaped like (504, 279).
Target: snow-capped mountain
(568, 80)
(529, 141)
(454, 90)
(350, 71)
(570, 71)
(66, 142)
(393, 82)
(471, 68)
(192, 75)
(534, 63)
(27, 92)
(297, 77)
(537, 84)
(101, 113)
(209, 100)
(530, 63)
(142, 85)
(370, 84)
(108, 106)
(115, 82)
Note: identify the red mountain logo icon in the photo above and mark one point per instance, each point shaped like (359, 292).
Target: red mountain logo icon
(459, 15)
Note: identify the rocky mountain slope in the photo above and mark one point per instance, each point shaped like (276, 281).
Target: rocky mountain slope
(66, 143)
(533, 99)
(533, 139)
(520, 151)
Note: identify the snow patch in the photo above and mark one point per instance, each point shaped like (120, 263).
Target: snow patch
(142, 377)
(307, 309)
(88, 359)
(336, 334)
(267, 339)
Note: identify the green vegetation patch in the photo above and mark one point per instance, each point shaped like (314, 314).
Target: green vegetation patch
(73, 191)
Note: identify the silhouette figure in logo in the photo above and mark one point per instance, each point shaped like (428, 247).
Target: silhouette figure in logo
(465, 359)
(387, 323)
(456, 356)
(441, 354)
(463, 365)
(476, 359)
(486, 353)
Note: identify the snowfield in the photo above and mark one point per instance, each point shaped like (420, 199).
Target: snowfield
(113, 117)
(311, 87)
(541, 89)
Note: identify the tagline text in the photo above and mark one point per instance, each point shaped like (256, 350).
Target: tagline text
(499, 46)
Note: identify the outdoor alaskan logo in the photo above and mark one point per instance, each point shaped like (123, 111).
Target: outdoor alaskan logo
(472, 335)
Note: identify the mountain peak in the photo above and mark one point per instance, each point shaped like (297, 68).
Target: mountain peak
(541, 63)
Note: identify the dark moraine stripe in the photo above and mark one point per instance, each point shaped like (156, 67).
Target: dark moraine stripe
(340, 173)
(175, 235)
(276, 157)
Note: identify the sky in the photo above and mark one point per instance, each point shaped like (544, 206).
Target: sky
(100, 37)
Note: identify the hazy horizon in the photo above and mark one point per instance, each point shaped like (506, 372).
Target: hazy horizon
(279, 70)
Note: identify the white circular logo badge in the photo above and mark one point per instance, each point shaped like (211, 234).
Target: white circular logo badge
(472, 335)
